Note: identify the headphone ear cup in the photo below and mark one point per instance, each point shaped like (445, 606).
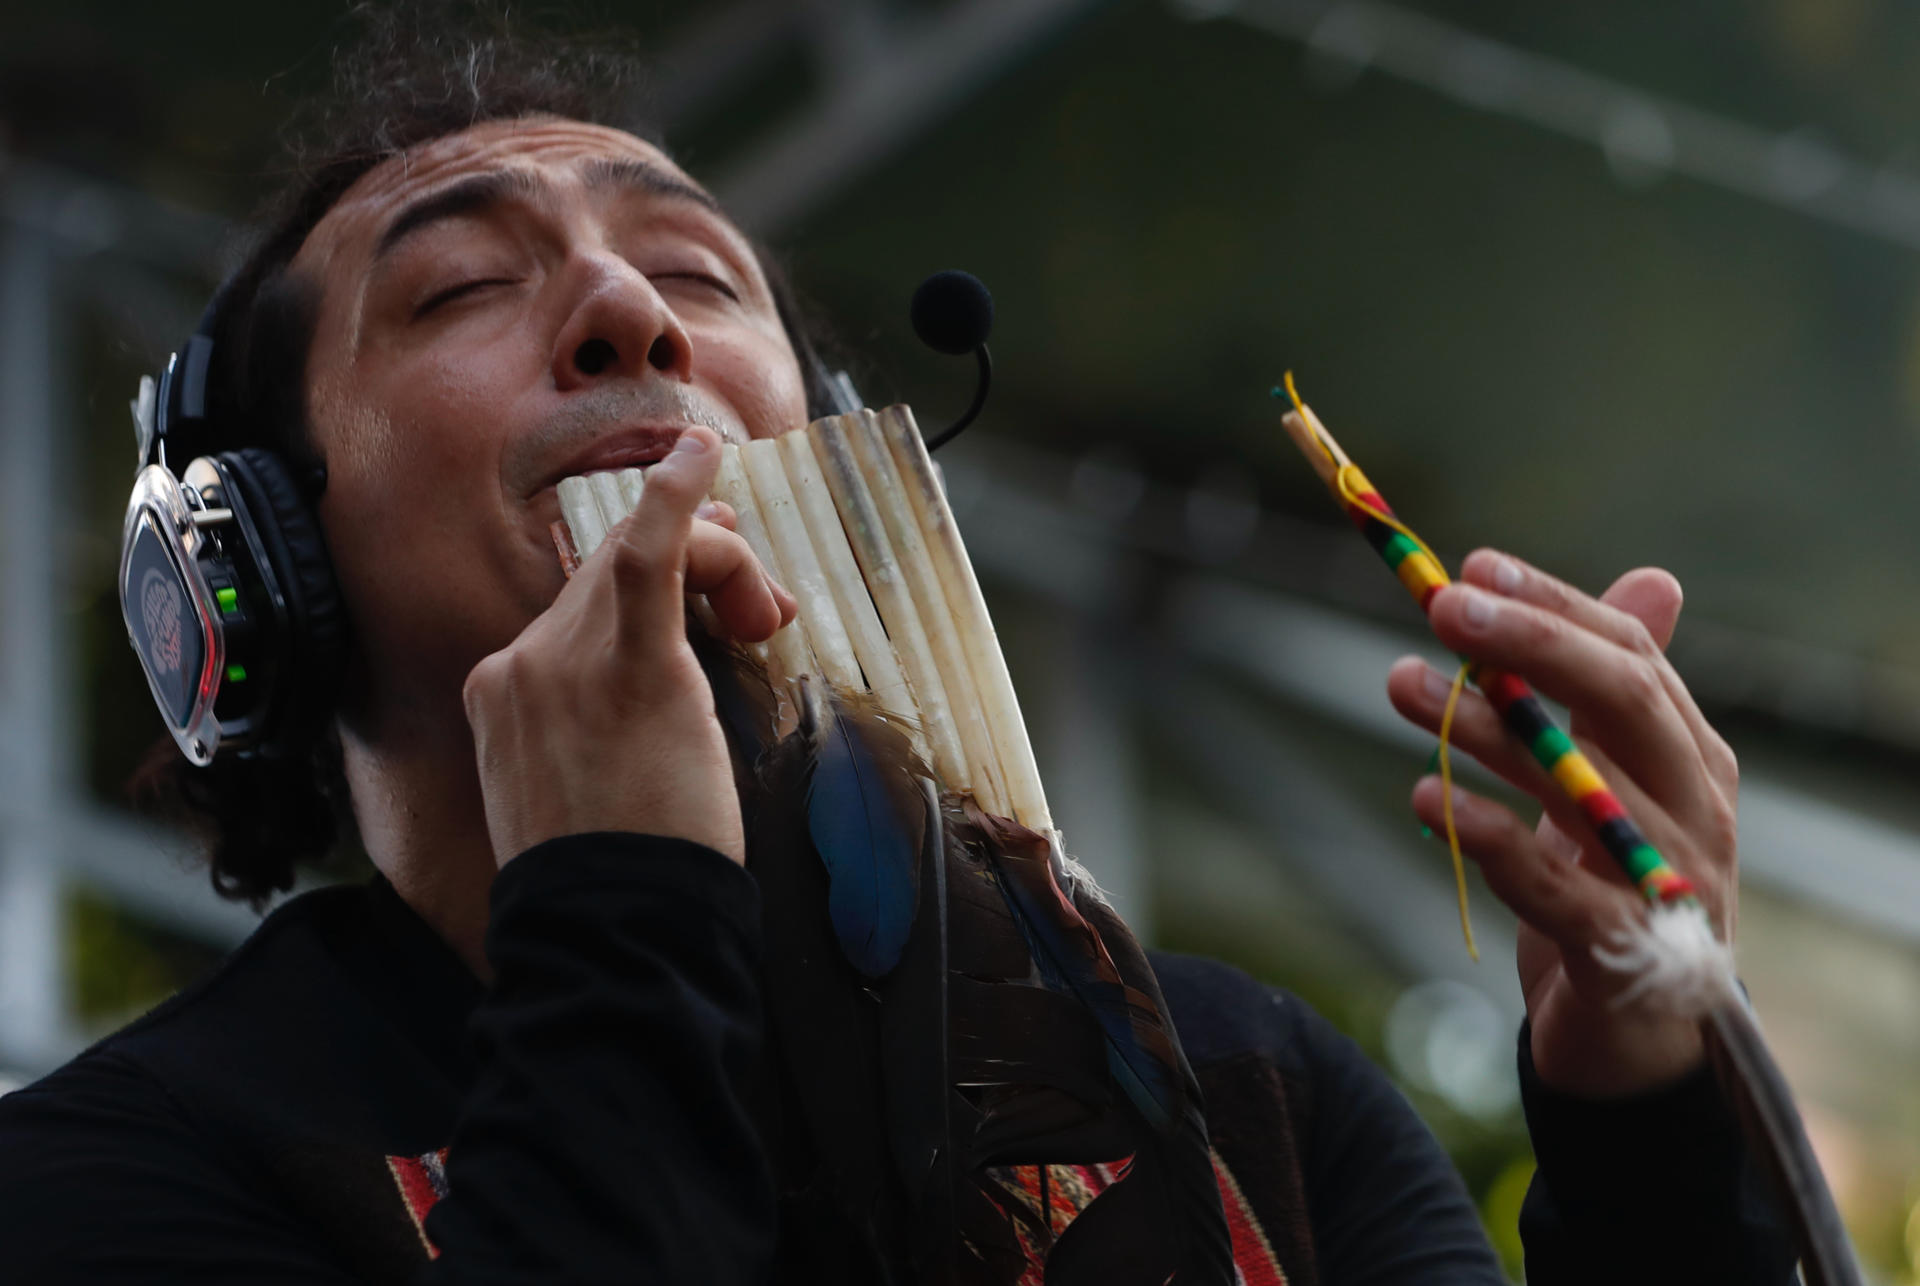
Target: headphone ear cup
(314, 651)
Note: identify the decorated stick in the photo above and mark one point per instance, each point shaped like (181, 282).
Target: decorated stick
(1675, 961)
(1525, 717)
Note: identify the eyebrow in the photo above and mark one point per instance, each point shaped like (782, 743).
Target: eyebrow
(482, 192)
(468, 196)
(642, 177)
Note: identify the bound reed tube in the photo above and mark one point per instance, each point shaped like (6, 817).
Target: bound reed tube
(850, 516)
(1519, 709)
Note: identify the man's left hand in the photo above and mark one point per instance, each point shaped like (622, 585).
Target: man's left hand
(1605, 660)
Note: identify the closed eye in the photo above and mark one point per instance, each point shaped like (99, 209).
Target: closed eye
(699, 278)
(459, 291)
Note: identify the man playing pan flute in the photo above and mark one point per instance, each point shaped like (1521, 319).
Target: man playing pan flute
(532, 1049)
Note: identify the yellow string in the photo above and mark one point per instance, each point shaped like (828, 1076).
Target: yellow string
(1351, 494)
(1446, 804)
(1343, 486)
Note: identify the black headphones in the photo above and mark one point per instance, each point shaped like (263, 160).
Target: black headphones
(225, 583)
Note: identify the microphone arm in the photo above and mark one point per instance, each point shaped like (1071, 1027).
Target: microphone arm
(967, 417)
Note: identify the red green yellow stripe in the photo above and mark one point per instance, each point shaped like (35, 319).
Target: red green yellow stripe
(1417, 569)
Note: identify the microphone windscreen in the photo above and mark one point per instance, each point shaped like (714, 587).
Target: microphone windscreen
(952, 312)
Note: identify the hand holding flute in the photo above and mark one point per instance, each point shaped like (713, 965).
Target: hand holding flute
(598, 717)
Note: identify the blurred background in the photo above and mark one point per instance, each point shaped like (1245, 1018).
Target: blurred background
(1602, 284)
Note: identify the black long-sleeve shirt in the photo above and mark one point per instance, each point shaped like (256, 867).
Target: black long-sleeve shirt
(343, 1102)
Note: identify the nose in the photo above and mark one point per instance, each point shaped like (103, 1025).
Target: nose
(620, 329)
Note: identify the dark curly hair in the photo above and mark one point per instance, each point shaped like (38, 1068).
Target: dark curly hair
(414, 71)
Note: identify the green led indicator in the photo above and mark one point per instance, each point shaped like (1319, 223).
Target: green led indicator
(229, 600)
(236, 673)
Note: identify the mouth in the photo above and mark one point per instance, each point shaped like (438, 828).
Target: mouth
(632, 447)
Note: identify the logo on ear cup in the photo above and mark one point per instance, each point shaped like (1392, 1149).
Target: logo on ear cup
(160, 612)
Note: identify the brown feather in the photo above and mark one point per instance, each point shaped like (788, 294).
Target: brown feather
(1763, 1103)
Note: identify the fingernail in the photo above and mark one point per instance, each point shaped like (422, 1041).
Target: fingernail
(707, 510)
(691, 444)
(1506, 576)
(1438, 687)
(1480, 610)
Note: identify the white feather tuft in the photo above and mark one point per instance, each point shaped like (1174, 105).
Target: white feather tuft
(1675, 961)
(1073, 873)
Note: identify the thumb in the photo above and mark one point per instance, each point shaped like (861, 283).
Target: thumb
(1653, 596)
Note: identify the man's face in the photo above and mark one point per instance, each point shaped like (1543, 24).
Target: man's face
(500, 308)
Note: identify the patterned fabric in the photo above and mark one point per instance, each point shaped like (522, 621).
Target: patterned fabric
(422, 1181)
(1062, 1192)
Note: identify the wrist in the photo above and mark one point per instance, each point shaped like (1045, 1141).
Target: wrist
(1615, 1055)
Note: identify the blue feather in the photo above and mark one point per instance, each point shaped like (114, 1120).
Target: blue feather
(866, 819)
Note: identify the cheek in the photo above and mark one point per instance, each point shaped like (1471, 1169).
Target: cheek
(760, 378)
(414, 445)
(412, 515)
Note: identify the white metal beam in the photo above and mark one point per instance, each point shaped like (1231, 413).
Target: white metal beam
(36, 682)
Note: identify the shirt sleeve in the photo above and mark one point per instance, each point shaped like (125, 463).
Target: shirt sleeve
(608, 1136)
(1387, 1206)
(103, 1182)
(1653, 1189)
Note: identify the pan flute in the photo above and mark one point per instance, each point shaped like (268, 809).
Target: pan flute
(850, 516)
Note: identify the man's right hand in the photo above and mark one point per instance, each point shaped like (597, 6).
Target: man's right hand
(598, 716)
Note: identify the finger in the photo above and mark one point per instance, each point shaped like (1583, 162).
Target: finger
(1651, 596)
(1654, 590)
(719, 513)
(1654, 596)
(721, 565)
(1639, 611)
(1701, 846)
(1419, 693)
(1568, 903)
(722, 514)
(647, 550)
(1619, 692)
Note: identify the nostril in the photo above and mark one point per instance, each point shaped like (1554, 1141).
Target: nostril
(594, 356)
(660, 356)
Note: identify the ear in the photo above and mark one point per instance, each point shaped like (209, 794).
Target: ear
(1653, 596)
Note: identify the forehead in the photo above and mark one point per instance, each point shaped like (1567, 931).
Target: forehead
(558, 148)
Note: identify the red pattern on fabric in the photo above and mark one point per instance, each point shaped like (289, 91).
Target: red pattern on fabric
(422, 1181)
(1252, 1252)
(1070, 1188)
